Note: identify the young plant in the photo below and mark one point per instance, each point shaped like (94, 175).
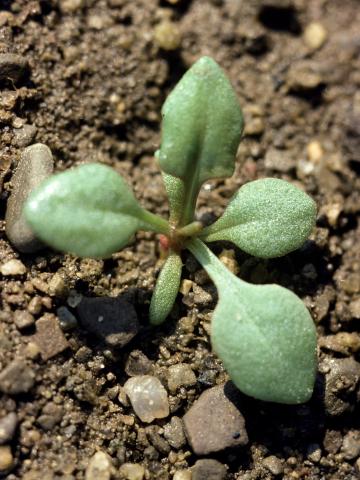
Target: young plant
(263, 333)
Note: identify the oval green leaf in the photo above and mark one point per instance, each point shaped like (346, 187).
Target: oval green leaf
(89, 211)
(166, 289)
(263, 334)
(202, 126)
(266, 218)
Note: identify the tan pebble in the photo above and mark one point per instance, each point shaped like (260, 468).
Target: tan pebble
(167, 35)
(32, 350)
(332, 213)
(315, 35)
(57, 286)
(132, 471)
(185, 286)
(227, 257)
(13, 267)
(182, 475)
(35, 305)
(6, 458)
(314, 151)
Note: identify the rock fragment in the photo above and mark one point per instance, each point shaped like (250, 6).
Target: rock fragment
(174, 432)
(214, 422)
(351, 445)
(167, 35)
(36, 164)
(342, 342)
(50, 416)
(273, 464)
(138, 363)
(49, 336)
(208, 469)
(6, 459)
(23, 319)
(24, 135)
(114, 320)
(99, 468)
(315, 35)
(180, 375)
(12, 268)
(7, 427)
(12, 66)
(132, 471)
(304, 77)
(16, 378)
(148, 397)
(67, 320)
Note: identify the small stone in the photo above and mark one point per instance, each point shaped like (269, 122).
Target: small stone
(32, 350)
(180, 375)
(227, 257)
(112, 319)
(174, 433)
(67, 320)
(185, 286)
(303, 77)
(332, 441)
(57, 286)
(201, 296)
(315, 35)
(8, 426)
(148, 397)
(183, 475)
(50, 416)
(99, 468)
(343, 342)
(74, 299)
(278, 160)
(351, 283)
(208, 469)
(355, 308)
(351, 445)
(12, 66)
(214, 421)
(138, 364)
(13, 268)
(315, 151)
(314, 453)
(255, 126)
(23, 319)
(167, 35)
(132, 471)
(70, 6)
(35, 305)
(6, 459)
(273, 464)
(49, 336)
(24, 135)
(157, 441)
(16, 378)
(36, 164)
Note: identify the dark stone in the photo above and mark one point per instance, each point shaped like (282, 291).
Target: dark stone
(12, 66)
(114, 320)
(138, 364)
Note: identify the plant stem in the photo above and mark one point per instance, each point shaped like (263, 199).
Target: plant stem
(219, 274)
(154, 223)
(190, 230)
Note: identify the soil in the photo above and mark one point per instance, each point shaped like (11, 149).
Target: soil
(99, 71)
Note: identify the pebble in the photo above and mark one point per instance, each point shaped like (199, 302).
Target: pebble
(70, 6)
(278, 160)
(174, 432)
(8, 426)
(36, 164)
(6, 458)
(351, 445)
(302, 77)
(16, 378)
(12, 268)
(23, 319)
(167, 35)
(50, 416)
(273, 464)
(24, 135)
(156, 440)
(315, 35)
(314, 151)
(138, 364)
(355, 308)
(148, 397)
(132, 471)
(67, 320)
(182, 475)
(49, 336)
(57, 286)
(342, 378)
(332, 441)
(180, 375)
(114, 320)
(208, 469)
(314, 453)
(343, 342)
(12, 66)
(99, 468)
(214, 422)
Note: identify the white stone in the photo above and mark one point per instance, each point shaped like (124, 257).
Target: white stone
(13, 267)
(99, 467)
(148, 397)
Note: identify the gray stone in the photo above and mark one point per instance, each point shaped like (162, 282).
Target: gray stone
(16, 378)
(24, 135)
(36, 164)
(208, 469)
(49, 336)
(138, 364)
(180, 375)
(351, 445)
(99, 468)
(7, 427)
(12, 66)
(67, 320)
(214, 422)
(23, 319)
(174, 432)
(114, 320)
(50, 416)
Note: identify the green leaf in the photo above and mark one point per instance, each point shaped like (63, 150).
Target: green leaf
(266, 218)
(201, 129)
(166, 289)
(263, 334)
(89, 211)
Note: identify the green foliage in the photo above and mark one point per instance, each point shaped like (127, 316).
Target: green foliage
(263, 334)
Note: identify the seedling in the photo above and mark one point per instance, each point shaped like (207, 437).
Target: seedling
(263, 333)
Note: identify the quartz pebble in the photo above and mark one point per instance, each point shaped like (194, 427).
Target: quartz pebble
(7, 427)
(132, 471)
(183, 475)
(148, 397)
(214, 421)
(315, 35)
(16, 378)
(208, 469)
(99, 468)
(180, 375)
(13, 267)
(36, 164)
(6, 458)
